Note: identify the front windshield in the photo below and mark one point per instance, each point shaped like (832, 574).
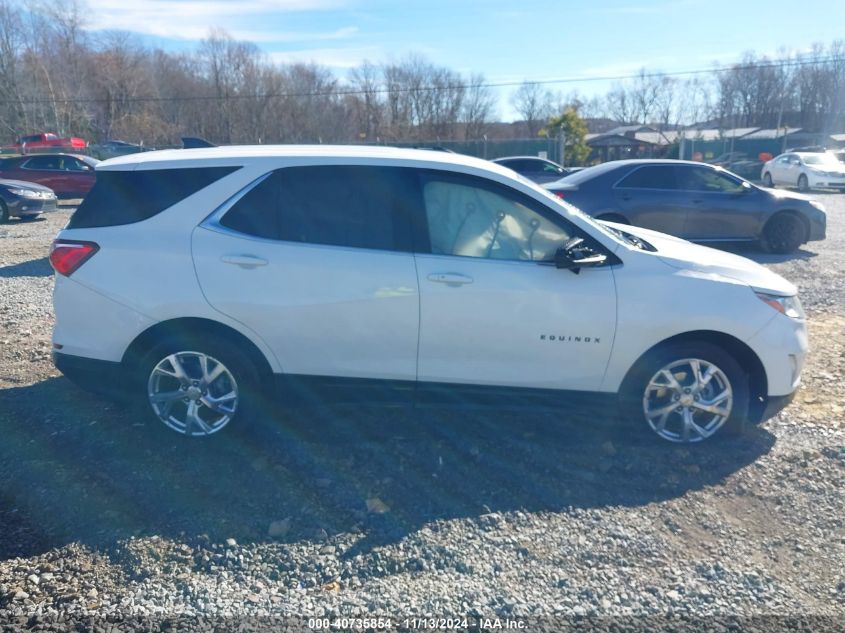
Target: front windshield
(820, 159)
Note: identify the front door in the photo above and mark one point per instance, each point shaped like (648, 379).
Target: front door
(493, 307)
(722, 206)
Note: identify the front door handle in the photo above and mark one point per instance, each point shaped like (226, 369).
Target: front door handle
(450, 279)
(244, 261)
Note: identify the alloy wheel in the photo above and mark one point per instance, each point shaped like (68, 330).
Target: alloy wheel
(192, 393)
(688, 400)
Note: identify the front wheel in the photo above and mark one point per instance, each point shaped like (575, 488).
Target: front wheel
(803, 184)
(196, 388)
(4, 213)
(687, 393)
(783, 234)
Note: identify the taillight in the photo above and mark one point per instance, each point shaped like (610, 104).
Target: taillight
(560, 194)
(66, 255)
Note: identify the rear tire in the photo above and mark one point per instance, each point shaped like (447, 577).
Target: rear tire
(783, 234)
(662, 395)
(198, 388)
(767, 180)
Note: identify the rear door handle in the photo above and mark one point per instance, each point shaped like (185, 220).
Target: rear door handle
(450, 279)
(244, 261)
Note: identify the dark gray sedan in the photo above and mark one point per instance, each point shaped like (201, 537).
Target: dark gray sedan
(25, 200)
(695, 201)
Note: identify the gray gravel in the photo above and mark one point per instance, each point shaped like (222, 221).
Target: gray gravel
(336, 511)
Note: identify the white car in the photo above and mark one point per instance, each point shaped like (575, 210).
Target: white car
(805, 170)
(201, 279)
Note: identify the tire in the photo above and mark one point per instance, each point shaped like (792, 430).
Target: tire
(767, 180)
(197, 407)
(613, 217)
(803, 184)
(783, 234)
(660, 394)
(4, 213)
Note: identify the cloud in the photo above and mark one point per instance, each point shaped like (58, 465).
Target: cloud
(192, 19)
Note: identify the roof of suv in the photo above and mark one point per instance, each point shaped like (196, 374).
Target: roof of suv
(226, 154)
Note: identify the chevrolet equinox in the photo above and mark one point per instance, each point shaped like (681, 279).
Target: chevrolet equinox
(202, 279)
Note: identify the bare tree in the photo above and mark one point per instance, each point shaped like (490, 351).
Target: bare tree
(534, 104)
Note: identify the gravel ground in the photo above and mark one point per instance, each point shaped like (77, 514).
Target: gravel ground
(336, 511)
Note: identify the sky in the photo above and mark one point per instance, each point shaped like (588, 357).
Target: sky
(505, 40)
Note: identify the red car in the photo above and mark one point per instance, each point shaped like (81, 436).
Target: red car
(69, 175)
(48, 140)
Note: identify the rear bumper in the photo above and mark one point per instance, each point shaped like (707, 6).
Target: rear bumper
(99, 376)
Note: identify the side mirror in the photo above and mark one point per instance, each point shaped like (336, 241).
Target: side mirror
(571, 259)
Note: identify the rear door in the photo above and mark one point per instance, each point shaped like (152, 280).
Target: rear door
(317, 260)
(649, 196)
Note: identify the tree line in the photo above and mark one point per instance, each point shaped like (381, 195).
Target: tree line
(57, 76)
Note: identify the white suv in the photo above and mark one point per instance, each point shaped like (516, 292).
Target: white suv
(201, 279)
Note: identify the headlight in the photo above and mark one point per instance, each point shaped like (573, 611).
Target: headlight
(25, 193)
(790, 306)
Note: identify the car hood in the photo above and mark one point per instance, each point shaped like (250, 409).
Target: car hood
(22, 184)
(712, 262)
(781, 194)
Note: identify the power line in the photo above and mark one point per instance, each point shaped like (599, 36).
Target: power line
(782, 63)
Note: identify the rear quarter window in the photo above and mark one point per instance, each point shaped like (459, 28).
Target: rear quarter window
(126, 197)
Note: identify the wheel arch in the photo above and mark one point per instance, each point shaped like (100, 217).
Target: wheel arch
(741, 353)
(193, 327)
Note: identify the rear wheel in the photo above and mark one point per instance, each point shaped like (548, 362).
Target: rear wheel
(784, 233)
(687, 393)
(767, 180)
(803, 184)
(198, 388)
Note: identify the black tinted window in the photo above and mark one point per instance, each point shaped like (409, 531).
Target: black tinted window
(652, 177)
(362, 207)
(256, 213)
(124, 197)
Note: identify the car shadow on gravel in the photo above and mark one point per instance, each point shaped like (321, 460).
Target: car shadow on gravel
(33, 268)
(76, 468)
(754, 253)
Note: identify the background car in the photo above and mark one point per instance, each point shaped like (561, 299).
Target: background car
(24, 200)
(540, 170)
(69, 175)
(739, 163)
(805, 170)
(694, 201)
(112, 148)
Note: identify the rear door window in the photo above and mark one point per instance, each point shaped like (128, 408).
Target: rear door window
(650, 177)
(337, 205)
(125, 197)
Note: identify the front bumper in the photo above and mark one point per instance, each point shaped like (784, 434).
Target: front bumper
(781, 345)
(818, 181)
(30, 207)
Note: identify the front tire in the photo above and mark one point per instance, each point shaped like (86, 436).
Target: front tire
(803, 184)
(687, 393)
(783, 234)
(4, 213)
(198, 388)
